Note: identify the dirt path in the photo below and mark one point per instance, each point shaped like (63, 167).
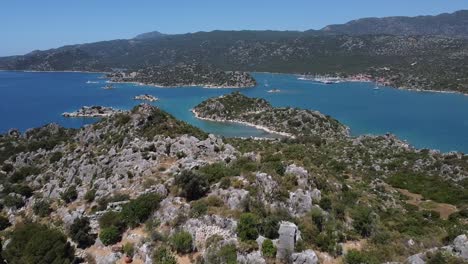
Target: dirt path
(445, 210)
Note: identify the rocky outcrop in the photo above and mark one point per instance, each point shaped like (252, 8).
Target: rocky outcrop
(146, 97)
(93, 111)
(210, 225)
(251, 258)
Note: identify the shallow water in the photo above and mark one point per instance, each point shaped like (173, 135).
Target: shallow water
(425, 119)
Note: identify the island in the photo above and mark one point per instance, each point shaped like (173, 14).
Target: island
(146, 97)
(92, 111)
(184, 75)
(286, 121)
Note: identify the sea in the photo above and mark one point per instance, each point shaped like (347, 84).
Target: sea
(424, 119)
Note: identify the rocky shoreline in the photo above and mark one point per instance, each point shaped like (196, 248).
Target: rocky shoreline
(92, 111)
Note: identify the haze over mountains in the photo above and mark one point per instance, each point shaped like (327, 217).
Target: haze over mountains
(426, 52)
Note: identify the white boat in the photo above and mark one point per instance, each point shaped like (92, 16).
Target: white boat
(376, 88)
(88, 82)
(274, 91)
(108, 87)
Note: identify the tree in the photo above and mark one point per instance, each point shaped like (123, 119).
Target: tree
(35, 243)
(268, 249)
(138, 210)
(42, 208)
(162, 255)
(182, 242)
(80, 233)
(109, 235)
(194, 186)
(247, 229)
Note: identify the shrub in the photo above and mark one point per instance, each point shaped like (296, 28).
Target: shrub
(268, 249)
(7, 167)
(193, 186)
(138, 210)
(163, 255)
(4, 222)
(247, 228)
(110, 218)
(56, 156)
(357, 257)
(182, 242)
(80, 233)
(22, 173)
(42, 208)
(70, 194)
(90, 195)
(270, 226)
(217, 171)
(110, 235)
(226, 254)
(199, 208)
(129, 249)
(363, 220)
(35, 243)
(13, 201)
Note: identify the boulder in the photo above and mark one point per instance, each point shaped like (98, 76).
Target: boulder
(299, 202)
(415, 259)
(251, 258)
(108, 259)
(460, 246)
(305, 257)
(289, 234)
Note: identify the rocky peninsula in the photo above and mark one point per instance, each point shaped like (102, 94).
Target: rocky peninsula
(92, 111)
(185, 75)
(146, 97)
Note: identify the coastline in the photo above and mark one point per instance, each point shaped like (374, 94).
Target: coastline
(266, 129)
(182, 85)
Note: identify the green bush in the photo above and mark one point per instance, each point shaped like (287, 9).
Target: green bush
(21, 174)
(198, 208)
(268, 249)
(182, 242)
(129, 249)
(138, 210)
(193, 186)
(363, 220)
(70, 194)
(162, 255)
(42, 208)
(226, 254)
(109, 235)
(80, 233)
(90, 195)
(270, 226)
(217, 171)
(111, 218)
(247, 228)
(13, 201)
(56, 156)
(357, 257)
(4, 222)
(35, 243)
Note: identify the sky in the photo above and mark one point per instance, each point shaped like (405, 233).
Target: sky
(27, 25)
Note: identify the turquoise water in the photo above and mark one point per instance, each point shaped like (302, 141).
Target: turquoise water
(426, 120)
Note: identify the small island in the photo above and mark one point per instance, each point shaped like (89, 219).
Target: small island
(146, 97)
(184, 75)
(92, 111)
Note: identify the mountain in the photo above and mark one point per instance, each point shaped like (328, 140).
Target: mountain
(448, 25)
(150, 35)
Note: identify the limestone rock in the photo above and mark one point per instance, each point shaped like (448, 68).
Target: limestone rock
(251, 258)
(460, 245)
(305, 257)
(289, 234)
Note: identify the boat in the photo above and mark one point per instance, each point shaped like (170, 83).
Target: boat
(274, 91)
(88, 82)
(376, 88)
(108, 87)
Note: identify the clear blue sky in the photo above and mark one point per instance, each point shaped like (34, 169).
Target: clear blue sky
(27, 25)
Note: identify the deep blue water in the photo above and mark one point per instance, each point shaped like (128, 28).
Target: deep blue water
(426, 120)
